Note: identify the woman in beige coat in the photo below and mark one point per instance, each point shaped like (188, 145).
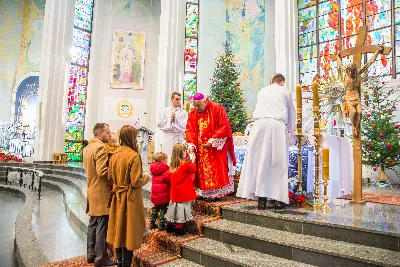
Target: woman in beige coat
(127, 218)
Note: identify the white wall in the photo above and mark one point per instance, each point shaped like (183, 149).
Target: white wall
(54, 76)
(105, 21)
(212, 34)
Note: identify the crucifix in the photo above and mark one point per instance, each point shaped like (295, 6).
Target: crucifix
(352, 100)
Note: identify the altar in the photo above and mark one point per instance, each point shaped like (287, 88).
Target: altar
(340, 171)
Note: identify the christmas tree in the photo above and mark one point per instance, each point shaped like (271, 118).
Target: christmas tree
(380, 131)
(225, 90)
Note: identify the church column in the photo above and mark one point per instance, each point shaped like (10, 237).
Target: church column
(171, 54)
(286, 45)
(55, 58)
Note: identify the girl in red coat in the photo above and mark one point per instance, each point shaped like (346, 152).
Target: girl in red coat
(160, 187)
(182, 190)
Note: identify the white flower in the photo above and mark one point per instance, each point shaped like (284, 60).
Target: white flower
(293, 181)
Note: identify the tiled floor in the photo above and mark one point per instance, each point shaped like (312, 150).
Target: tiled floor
(57, 237)
(9, 208)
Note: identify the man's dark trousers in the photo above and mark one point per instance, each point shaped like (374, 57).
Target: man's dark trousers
(96, 239)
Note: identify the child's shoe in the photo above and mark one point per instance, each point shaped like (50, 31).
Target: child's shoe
(170, 228)
(179, 231)
(153, 226)
(162, 227)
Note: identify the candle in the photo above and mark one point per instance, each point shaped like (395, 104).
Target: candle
(298, 96)
(315, 94)
(187, 106)
(325, 162)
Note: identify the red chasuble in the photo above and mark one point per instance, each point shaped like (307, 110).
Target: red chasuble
(212, 164)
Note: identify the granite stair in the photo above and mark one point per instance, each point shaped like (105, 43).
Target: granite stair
(298, 247)
(211, 253)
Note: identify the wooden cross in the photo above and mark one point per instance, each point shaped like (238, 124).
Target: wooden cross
(360, 48)
(357, 52)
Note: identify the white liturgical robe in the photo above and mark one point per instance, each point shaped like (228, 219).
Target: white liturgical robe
(265, 167)
(172, 129)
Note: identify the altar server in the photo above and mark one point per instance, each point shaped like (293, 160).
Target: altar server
(265, 168)
(172, 121)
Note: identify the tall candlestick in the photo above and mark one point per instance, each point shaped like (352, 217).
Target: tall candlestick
(187, 106)
(299, 115)
(325, 176)
(315, 89)
(299, 99)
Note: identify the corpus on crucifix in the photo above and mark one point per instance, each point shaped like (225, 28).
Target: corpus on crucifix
(352, 100)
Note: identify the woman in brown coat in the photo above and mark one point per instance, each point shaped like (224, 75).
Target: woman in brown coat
(127, 217)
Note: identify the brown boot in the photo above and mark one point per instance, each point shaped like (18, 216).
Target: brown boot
(279, 205)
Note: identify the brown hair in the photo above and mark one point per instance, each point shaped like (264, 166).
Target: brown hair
(175, 93)
(128, 137)
(158, 157)
(98, 128)
(278, 78)
(178, 155)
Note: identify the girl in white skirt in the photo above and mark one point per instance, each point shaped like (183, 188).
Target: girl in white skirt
(183, 194)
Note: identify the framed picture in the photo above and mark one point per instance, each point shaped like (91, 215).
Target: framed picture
(128, 55)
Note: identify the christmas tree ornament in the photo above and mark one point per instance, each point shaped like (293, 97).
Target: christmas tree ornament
(374, 168)
(368, 115)
(393, 163)
(369, 148)
(396, 126)
(373, 126)
(381, 135)
(389, 145)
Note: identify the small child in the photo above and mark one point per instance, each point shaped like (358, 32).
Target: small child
(160, 187)
(112, 145)
(182, 189)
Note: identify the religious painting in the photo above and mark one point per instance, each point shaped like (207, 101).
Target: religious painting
(128, 55)
(245, 24)
(24, 115)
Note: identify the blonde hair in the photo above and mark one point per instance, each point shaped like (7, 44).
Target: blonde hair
(178, 155)
(158, 157)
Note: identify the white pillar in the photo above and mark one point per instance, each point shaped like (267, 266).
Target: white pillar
(269, 42)
(286, 41)
(171, 55)
(54, 75)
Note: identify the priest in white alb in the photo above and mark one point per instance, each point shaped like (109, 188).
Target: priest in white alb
(264, 175)
(172, 121)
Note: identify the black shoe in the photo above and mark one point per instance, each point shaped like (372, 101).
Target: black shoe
(153, 226)
(119, 262)
(213, 199)
(90, 260)
(262, 201)
(279, 205)
(270, 204)
(170, 228)
(179, 231)
(106, 263)
(162, 227)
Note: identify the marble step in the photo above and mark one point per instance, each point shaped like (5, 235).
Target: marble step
(211, 253)
(298, 247)
(353, 224)
(77, 184)
(180, 263)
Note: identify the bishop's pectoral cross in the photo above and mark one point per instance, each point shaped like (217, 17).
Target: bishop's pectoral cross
(352, 100)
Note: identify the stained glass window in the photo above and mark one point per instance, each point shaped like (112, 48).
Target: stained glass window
(77, 83)
(327, 26)
(191, 49)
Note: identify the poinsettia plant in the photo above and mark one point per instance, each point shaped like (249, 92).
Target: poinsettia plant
(300, 199)
(4, 157)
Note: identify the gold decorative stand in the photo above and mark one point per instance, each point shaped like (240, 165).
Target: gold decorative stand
(317, 204)
(325, 177)
(299, 164)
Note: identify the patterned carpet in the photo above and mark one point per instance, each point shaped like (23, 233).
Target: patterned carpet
(159, 247)
(378, 198)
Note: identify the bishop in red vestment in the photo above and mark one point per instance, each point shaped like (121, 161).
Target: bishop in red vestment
(209, 134)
